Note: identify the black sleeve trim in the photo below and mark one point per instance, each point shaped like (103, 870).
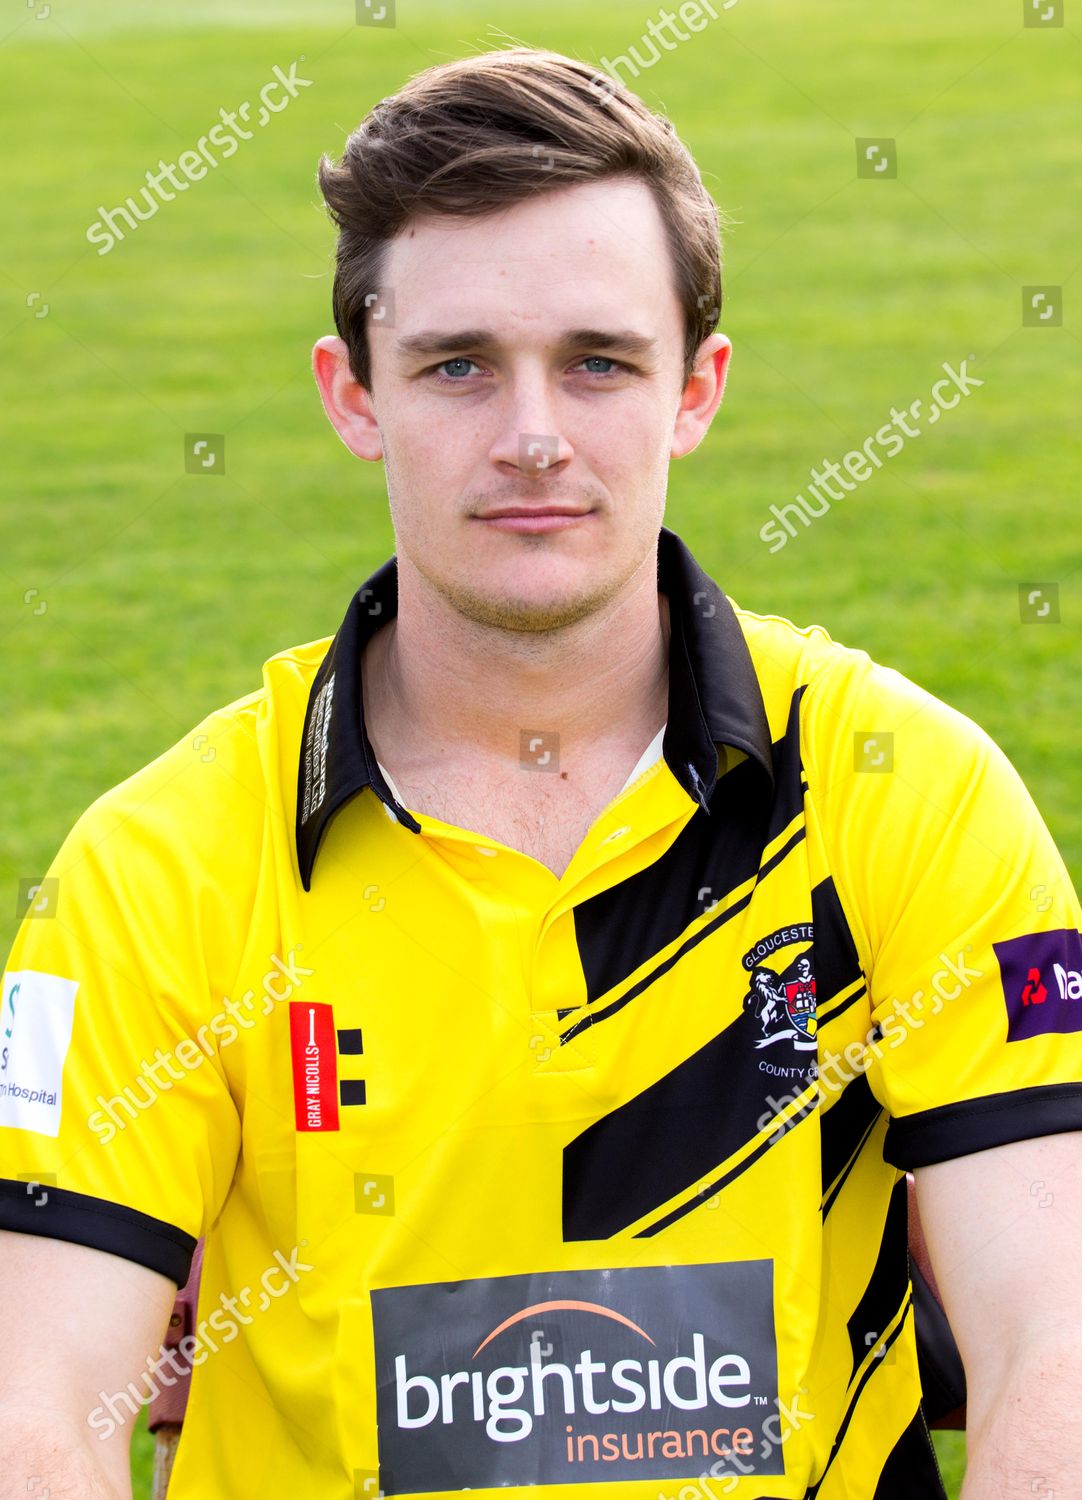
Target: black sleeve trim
(64, 1215)
(950, 1130)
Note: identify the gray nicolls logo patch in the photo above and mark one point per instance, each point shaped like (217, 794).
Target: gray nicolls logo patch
(572, 1377)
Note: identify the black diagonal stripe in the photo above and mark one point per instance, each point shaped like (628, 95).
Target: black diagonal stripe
(620, 929)
(832, 1196)
(836, 963)
(813, 1490)
(911, 1471)
(671, 1135)
(888, 1285)
(833, 1012)
(843, 1129)
(724, 1180)
(603, 1012)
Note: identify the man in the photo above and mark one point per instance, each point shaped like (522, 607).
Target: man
(423, 996)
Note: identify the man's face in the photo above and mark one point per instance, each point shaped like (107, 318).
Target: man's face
(555, 323)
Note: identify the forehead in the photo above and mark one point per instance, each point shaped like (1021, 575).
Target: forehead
(583, 254)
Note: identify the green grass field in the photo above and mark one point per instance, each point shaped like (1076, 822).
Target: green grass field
(137, 597)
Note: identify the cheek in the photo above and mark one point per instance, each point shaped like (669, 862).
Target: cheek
(432, 444)
(630, 448)
(637, 431)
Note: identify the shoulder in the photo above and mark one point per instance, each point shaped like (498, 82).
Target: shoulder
(844, 693)
(204, 801)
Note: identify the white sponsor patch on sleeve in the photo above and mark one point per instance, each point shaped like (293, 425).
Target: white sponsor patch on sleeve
(36, 1015)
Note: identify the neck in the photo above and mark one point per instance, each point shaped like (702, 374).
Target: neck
(437, 684)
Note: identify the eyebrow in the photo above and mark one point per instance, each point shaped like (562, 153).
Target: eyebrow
(433, 341)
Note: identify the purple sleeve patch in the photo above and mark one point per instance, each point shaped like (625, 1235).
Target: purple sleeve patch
(1042, 982)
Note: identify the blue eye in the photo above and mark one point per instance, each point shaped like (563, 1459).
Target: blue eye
(451, 378)
(461, 366)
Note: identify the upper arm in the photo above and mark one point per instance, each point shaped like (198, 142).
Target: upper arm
(1003, 1228)
(114, 1092)
(119, 1132)
(964, 917)
(968, 930)
(77, 1323)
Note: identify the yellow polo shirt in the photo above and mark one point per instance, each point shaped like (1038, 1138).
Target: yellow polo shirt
(592, 1184)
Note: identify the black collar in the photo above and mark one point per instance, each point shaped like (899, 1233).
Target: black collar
(714, 697)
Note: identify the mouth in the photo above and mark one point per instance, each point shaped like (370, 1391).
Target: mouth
(534, 517)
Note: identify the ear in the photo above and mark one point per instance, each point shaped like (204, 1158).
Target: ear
(702, 394)
(347, 404)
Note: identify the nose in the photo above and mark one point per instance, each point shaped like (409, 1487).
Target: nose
(530, 438)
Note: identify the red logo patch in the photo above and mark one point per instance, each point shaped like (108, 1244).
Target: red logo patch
(315, 1066)
(1033, 991)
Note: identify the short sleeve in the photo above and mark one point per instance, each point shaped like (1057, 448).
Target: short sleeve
(963, 913)
(117, 1126)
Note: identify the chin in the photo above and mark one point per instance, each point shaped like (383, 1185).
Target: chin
(532, 612)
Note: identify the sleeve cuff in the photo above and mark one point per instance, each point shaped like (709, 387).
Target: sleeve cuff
(932, 1135)
(59, 1214)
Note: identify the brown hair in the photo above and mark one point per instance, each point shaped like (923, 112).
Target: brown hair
(476, 134)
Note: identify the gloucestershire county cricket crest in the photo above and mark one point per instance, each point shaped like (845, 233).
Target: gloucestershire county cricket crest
(782, 1000)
